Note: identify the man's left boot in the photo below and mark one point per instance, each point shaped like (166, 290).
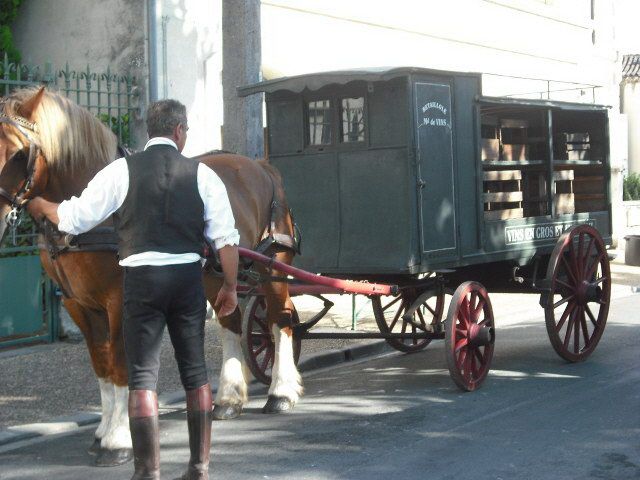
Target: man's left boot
(199, 416)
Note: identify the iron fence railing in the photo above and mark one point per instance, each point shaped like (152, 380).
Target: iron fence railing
(111, 97)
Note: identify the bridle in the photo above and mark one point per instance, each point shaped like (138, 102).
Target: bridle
(17, 202)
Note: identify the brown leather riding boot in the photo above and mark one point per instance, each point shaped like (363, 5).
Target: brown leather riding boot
(145, 436)
(199, 416)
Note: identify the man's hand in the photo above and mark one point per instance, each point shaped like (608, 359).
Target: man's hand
(39, 208)
(227, 301)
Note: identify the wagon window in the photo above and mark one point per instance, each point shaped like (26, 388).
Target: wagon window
(352, 119)
(319, 113)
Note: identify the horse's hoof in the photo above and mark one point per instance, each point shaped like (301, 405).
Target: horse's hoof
(226, 412)
(95, 447)
(277, 405)
(113, 458)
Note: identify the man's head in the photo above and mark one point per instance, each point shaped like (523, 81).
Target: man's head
(168, 118)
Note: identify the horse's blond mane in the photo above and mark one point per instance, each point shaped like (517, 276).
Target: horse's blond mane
(70, 137)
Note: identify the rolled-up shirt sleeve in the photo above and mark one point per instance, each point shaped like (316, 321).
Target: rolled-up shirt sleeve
(219, 222)
(104, 194)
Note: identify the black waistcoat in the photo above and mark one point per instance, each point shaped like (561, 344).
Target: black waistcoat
(163, 210)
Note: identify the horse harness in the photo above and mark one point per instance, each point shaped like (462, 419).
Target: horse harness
(27, 129)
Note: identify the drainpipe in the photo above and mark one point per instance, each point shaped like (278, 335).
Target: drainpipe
(153, 56)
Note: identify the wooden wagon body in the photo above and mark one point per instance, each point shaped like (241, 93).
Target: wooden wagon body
(411, 177)
(408, 170)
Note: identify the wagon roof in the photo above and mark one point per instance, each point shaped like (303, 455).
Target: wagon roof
(315, 81)
(541, 103)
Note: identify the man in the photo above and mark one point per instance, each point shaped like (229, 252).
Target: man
(163, 205)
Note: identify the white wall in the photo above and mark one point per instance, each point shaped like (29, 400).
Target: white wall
(99, 33)
(631, 107)
(526, 38)
(189, 65)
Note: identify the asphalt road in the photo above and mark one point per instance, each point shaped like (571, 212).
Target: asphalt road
(400, 417)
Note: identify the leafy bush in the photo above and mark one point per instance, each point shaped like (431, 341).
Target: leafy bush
(631, 187)
(8, 12)
(118, 125)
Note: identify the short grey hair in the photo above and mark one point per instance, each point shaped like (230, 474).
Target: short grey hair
(163, 116)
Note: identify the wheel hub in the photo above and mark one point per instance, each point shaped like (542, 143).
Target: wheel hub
(479, 336)
(587, 292)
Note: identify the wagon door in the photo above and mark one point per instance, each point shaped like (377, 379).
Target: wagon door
(434, 143)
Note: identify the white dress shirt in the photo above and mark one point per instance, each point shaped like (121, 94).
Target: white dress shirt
(107, 191)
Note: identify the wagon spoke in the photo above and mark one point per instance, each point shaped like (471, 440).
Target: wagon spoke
(566, 285)
(568, 269)
(260, 349)
(467, 366)
(421, 317)
(397, 316)
(593, 267)
(588, 252)
(591, 317)
(462, 357)
(391, 303)
(463, 312)
(585, 331)
(567, 335)
(433, 312)
(579, 256)
(563, 301)
(479, 356)
(576, 331)
(413, 330)
(564, 316)
(266, 360)
(460, 343)
(476, 312)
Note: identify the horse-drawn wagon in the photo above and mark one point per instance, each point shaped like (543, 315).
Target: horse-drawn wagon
(411, 179)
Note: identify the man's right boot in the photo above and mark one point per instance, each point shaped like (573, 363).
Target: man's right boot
(145, 435)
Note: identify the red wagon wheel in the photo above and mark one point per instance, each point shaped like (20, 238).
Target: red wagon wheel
(469, 335)
(388, 312)
(577, 304)
(258, 346)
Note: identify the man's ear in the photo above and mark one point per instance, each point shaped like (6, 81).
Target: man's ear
(28, 108)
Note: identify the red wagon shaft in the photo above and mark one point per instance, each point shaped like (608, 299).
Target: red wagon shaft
(341, 286)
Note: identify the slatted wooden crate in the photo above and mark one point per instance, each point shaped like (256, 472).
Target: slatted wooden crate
(502, 195)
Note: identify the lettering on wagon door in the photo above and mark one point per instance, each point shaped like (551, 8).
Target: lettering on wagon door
(434, 114)
(533, 233)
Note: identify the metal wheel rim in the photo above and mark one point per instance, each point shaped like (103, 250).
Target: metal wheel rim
(427, 314)
(575, 320)
(258, 346)
(468, 364)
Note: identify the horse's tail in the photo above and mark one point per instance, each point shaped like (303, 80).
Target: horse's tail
(282, 227)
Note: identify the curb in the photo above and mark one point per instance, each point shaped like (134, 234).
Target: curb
(71, 423)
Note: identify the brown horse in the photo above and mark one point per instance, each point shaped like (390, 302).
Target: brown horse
(51, 147)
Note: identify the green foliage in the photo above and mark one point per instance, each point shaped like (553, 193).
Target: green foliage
(8, 12)
(118, 125)
(631, 187)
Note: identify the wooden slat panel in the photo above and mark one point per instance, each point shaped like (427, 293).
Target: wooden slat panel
(502, 175)
(502, 197)
(565, 203)
(563, 175)
(504, 214)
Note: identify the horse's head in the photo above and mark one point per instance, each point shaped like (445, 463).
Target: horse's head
(23, 171)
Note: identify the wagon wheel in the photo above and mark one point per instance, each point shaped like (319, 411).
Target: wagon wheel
(577, 304)
(388, 312)
(469, 335)
(258, 346)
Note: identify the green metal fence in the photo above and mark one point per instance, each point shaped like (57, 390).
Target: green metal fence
(111, 97)
(28, 299)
